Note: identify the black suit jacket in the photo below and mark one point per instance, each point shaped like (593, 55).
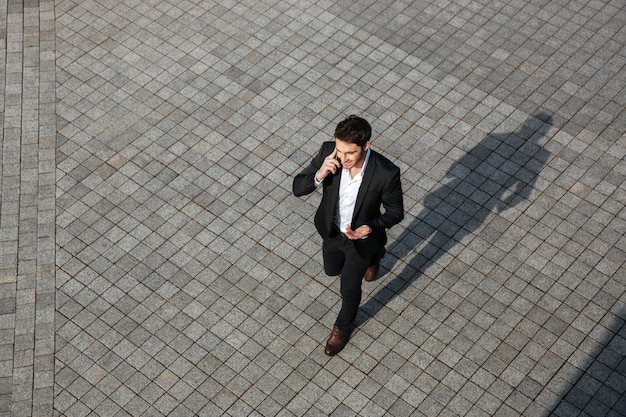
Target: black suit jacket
(381, 187)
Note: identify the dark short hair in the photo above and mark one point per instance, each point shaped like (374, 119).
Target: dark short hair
(354, 129)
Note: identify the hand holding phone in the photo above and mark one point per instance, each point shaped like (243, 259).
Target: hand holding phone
(330, 166)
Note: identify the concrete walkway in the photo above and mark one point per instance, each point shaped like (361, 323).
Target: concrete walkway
(153, 261)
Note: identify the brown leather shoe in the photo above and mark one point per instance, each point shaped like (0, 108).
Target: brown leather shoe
(371, 272)
(336, 342)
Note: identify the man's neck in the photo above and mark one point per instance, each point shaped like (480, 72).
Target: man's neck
(354, 171)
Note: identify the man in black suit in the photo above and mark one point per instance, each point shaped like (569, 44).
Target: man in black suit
(356, 182)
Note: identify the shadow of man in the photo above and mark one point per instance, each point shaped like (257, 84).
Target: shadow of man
(498, 173)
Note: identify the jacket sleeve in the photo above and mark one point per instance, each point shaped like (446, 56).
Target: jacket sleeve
(304, 182)
(393, 204)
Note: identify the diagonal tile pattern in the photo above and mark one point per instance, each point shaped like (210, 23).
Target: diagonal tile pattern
(161, 265)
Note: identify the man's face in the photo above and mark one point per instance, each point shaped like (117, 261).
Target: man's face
(351, 155)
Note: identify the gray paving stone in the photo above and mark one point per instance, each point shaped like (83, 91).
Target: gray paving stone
(187, 278)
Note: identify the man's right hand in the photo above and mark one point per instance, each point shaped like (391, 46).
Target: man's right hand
(330, 166)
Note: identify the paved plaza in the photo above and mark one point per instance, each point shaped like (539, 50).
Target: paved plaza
(154, 261)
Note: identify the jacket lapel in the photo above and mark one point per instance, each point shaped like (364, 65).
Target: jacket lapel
(365, 183)
(333, 189)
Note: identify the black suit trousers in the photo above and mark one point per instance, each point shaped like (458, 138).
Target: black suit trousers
(341, 258)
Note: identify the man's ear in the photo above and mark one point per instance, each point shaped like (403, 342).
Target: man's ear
(366, 146)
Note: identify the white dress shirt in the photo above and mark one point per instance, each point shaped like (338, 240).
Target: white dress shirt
(348, 191)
